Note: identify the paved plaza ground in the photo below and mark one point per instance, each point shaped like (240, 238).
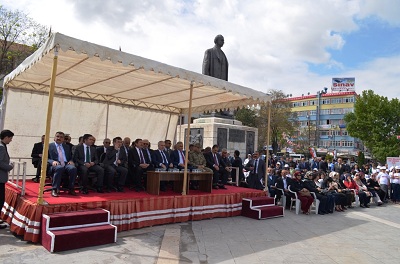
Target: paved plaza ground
(355, 236)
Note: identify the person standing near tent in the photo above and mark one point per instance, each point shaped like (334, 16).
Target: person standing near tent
(215, 63)
(6, 137)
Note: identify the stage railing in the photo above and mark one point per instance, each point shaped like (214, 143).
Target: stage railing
(17, 175)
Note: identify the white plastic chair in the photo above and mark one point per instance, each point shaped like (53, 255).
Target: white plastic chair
(283, 196)
(294, 201)
(315, 204)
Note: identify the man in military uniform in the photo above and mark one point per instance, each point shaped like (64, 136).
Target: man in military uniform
(197, 159)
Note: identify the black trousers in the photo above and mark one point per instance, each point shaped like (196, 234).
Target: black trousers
(254, 181)
(2, 194)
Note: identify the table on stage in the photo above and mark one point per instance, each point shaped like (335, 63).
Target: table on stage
(154, 178)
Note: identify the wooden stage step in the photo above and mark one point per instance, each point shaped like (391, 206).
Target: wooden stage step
(73, 230)
(261, 208)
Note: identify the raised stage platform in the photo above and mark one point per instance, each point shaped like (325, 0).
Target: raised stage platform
(129, 210)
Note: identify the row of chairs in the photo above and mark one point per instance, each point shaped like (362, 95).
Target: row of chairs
(296, 203)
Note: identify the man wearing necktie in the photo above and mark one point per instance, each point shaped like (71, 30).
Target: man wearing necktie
(257, 172)
(215, 163)
(86, 158)
(114, 165)
(60, 161)
(101, 150)
(161, 160)
(178, 156)
(139, 165)
(147, 151)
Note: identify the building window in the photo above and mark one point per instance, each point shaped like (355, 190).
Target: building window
(337, 111)
(347, 143)
(313, 112)
(304, 103)
(312, 102)
(348, 100)
(336, 101)
(326, 101)
(324, 133)
(325, 111)
(348, 110)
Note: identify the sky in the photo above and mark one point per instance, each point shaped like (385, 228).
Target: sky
(289, 45)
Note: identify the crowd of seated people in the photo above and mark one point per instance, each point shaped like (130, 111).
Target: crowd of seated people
(337, 185)
(121, 163)
(118, 163)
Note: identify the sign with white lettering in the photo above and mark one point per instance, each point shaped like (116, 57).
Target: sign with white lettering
(393, 161)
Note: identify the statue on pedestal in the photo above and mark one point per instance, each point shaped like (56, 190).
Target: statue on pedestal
(215, 63)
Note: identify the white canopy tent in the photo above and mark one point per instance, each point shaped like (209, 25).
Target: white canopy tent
(107, 93)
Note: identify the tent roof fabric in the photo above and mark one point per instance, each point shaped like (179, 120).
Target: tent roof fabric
(90, 71)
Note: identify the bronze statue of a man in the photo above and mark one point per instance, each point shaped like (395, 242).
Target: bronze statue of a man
(215, 63)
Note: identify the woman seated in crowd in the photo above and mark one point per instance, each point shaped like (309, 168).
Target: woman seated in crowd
(326, 200)
(351, 185)
(350, 196)
(363, 192)
(318, 180)
(373, 186)
(331, 187)
(304, 195)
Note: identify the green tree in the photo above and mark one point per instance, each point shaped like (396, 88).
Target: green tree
(282, 120)
(247, 116)
(20, 36)
(361, 158)
(376, 121)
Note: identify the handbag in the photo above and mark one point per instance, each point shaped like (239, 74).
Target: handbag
(305, 193)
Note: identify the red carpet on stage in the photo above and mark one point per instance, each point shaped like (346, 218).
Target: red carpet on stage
(129, 210)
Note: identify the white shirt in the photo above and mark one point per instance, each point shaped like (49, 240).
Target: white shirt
(383, 178)
(396, 181)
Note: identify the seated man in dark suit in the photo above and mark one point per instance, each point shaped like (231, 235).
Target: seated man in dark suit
(215, 163)
(271, 181)
(147, 151)
(101, 150)
(36, 155)
(60, 159)
(139, 165)
(161, 158)
(116, 163)
(178, 156)
(162, 161)
(282, 183)
(226, 172)
(87, 161)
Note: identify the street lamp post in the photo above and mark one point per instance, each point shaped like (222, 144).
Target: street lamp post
(308, 123)
(319, 95)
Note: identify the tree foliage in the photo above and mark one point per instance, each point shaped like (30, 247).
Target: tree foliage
(376, 121)
(282, 120)
(247, 116)
(20, 36)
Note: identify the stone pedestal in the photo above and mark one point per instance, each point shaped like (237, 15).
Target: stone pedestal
(226, 133)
